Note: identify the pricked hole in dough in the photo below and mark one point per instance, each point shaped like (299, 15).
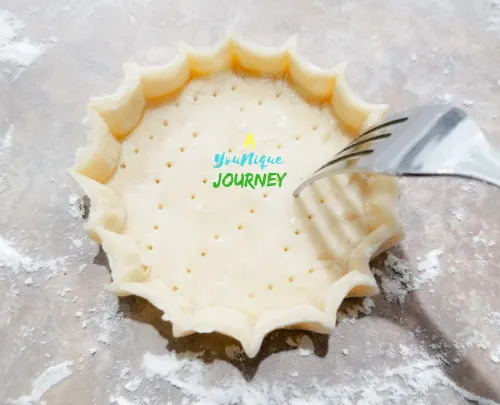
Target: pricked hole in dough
(250, 295)
(156, 227)
(203, 253)
(205, 180)
(260, 102)
(165, 123)
(315, 127)
(136, 150)
(160, 206)
(252, 210)
(195, 97)
(280, 146)
(240, 227)
(123, 166)
(297, 137)
(216, 236)
(297, 232)
(182, 149)
(264, 195)
(311, 271)
(157, 181)
(188, 271)
(175, 288)
(291, 279)
(269, 286)
(193, 196)
(144, 267)
(229, 150)
(233, 87)
(310, 216)
(151, 137)
(214, 93)
(169, 164)
(150, 247)
(195, 134)
(285, 249)
(177, 104)
(278, 94)
(242, 108)
(322, 200)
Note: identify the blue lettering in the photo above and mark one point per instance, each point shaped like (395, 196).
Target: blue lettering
(219, 159)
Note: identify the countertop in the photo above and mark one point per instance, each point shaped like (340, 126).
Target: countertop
(432, 335)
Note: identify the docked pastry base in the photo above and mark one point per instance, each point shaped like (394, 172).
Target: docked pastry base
(237, 260)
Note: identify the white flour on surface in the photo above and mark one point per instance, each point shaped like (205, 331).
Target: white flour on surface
(16, 53)
(6, 141)
(75, 208)
(120, 401)
(105, 316)
(5, 145)
(46, 381)
(421, 376)
(17, 262)
(400, 281)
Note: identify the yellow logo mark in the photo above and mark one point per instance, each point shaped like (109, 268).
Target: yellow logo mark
(249, 141)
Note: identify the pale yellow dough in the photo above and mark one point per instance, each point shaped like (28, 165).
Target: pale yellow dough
(239, 261)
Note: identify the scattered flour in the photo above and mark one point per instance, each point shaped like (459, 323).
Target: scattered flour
(75, 207)
(429, 267)
(400, 281)
(421, 375)
(305, 345)
(120, 401)
(16, 53)
(11, 258)
(133, 385)
(458, 213)
(106, 316)
(47, 380)
(6, 141)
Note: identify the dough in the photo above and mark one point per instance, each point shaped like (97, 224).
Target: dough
(211, 237)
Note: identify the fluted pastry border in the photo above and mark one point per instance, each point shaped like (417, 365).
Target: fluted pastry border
(111, 118)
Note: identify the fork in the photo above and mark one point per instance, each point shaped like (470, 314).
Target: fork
(434, 140)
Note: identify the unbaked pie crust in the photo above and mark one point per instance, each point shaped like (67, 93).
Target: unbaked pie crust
(241, 261)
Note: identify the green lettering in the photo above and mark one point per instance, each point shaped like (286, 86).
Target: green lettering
(241, 177)
(216, 184)
(260, 178)
(271, 179)
(229, 177)
(249, 180)
(281, 178)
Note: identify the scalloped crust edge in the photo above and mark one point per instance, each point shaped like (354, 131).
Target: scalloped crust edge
(111, 118)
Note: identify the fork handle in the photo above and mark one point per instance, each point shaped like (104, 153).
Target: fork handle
(482, 163)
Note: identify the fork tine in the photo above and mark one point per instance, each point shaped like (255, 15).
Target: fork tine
(339, 158)
(357, 142)
(326, 169)
(383, 125)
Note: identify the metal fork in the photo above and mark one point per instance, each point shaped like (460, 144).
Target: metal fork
(435, 140)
